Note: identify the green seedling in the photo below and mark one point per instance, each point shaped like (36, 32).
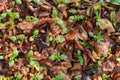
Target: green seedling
(18, 76)
(78, 77)
(12, 17)
(35, 1)
(60, 22)
(59, 39)
(104, 76)
(84, 44)
(34, 77)
(64, 1)
(29, 19)
(35, 34)
(76, 17)
(30, 54)
(59, 77)
(12, 58)
(73, 11)
(80, 58)
(18, 1)
(97, 37)
(1, 57)
(58, 56)
(34, 64)
(18, 38)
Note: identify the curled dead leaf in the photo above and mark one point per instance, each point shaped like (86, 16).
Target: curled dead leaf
(101, 48)
(3, 4)
(108, 66)
(26, 26)
(76, 66)
(66, 64)
(72, 35)
(78, 46)
(45, 20)
(106, 24)
(82, 33)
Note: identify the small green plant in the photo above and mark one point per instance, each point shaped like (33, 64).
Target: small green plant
(60, 22)
(30, 54)
(78, 77)
(59, 77)
(115, 2)
(18, 76)
(80, 58)
(34, 77)
(58, 56)
(59, 39)
(104, 76)
(35, 1)
(13, 57)
(29, 19)
(18, 1)
(12, 17)
(97, 37)
(76, 17)
(84, 44)
(2, 16)
(57, 19)
(64, 1)
(18, 38)
(73, 11)
(34, 64)
(35, 34)
(1, 57)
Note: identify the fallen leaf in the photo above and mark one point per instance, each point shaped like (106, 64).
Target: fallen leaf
(106, 24)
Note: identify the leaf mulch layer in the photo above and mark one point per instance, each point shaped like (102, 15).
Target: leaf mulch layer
(59, 40)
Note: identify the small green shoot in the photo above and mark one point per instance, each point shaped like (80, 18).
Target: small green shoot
(58, 56)
(35, 64)
(76, 17)
(18, 1)
(35, 34)
(12, 58)
(34, 77)
(59, 39)
(104, 76)
(80, 58)
(64, 1)
(18, 76)
(29, 19)
(1, 57)
(59, 77)
(97, 37)
(78, 77)
(30, 54)
(18, 38)
(57, 19)
(35, 1)
(13, 38)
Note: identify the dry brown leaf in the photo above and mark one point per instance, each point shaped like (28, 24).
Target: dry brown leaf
(72, 35)
(76, 66)
(106, 24)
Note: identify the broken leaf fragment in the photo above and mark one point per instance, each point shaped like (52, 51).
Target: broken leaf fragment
(106, 24)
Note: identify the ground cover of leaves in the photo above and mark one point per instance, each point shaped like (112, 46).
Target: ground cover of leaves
(59, 39)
